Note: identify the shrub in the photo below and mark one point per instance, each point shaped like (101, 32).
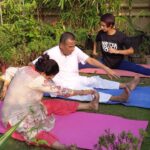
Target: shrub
(123, 141)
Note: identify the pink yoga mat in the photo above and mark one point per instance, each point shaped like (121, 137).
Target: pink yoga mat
(119, 72)
(84, 129)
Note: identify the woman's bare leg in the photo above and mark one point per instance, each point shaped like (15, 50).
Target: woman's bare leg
(93, 105)
(59, 146)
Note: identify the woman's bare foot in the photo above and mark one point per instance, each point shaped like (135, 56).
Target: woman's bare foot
(58, 146)
(72, 147)
(94, 104)
(123, 97)
(132, 84)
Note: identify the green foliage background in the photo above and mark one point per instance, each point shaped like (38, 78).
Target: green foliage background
(24, 36)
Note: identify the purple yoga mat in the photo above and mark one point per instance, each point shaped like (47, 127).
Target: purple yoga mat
(84, 129)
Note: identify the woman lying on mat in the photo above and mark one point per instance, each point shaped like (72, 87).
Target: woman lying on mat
(24, 100)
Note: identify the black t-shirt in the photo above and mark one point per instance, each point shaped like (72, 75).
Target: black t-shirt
(117, 41)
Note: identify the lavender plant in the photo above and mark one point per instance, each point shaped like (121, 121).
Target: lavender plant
(123, 141)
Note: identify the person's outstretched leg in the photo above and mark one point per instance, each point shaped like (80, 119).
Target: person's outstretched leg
(93, 105)
(98, 82)
(126, 65)
(128, 87)
(62, 107)
(59, 146)
(53, 142)
(132, 84)
(123, 97)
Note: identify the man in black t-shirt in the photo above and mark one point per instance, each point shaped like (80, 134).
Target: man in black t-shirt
(114, 46)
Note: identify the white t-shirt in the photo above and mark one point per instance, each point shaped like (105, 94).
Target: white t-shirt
(68, 66)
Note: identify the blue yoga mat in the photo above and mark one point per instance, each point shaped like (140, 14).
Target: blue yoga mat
(140, 97)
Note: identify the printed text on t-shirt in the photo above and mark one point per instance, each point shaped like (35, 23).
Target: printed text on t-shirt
(106, 45)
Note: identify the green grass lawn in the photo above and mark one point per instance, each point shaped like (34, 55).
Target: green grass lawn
(117, 110)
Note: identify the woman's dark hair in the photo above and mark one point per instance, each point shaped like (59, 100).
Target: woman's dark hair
(65, 36)
(109, 19)
(47, 65)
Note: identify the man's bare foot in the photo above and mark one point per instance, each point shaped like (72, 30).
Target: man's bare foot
(123, 97)
(94, 104)
(132, 85)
